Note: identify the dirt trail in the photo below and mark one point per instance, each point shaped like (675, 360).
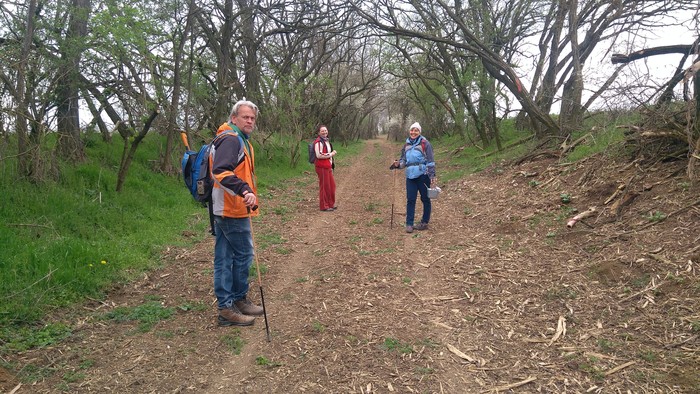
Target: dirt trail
(497, 296)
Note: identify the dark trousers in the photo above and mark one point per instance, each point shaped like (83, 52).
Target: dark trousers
(413, 187)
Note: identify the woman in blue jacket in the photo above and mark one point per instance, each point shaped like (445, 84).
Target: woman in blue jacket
(417, 159)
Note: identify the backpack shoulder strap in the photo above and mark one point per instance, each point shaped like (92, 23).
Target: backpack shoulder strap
(321, 146)
(421, 146)
(224, 133)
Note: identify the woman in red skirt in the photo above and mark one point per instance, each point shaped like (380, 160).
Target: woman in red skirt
(324, 168)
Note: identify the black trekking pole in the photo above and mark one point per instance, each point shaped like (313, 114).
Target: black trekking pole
(393, 193)
(257, 268)
(393, 199)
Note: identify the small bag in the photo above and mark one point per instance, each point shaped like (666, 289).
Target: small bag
(434, 192)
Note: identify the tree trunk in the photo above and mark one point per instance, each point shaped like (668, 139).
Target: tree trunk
(548, 88)
(223, 72)
(487, 108)
(571, 111)
(70, 146)
(694, 133)
(171, 128)
(24, 150)
(97, 117)
(128, 155)
(250, 45)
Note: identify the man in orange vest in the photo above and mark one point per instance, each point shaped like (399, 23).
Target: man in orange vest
(234, 199)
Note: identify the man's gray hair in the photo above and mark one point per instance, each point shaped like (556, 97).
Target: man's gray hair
(246, 103)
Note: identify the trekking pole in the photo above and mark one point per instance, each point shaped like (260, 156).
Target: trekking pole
(393, 199)
(257, 268)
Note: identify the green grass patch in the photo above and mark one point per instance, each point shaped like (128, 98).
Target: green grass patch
(606, 345)
(393, 344)
(604, 136)
(283, 251)
(147, 314)
(253, 271)
(197, 306)
(656, 216)
(318, 326)
(458, 157)
(75, 236)
(266, 362)
(371, 206)
(648, 356)
(424, 370)
(265, 240)
(561, 293)
(21, 338)
(595, 372)
(233, 342)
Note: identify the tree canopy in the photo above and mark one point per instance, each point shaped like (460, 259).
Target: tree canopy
(361, 67)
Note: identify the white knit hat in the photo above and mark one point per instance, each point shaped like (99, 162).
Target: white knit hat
(415, 126)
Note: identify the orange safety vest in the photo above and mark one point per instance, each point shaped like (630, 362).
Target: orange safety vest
(225, 202)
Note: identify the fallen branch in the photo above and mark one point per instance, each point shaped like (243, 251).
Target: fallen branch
(50, 227)
(580, 216)
(566, 148)
(652, 287)
(674, 213)
(458, 353)
(511, 386)
(619, 368)
(659, 258)
(515, 143)
(617, 191)
(662, 134)
(626, 199)
(535, 340)
(676, 344)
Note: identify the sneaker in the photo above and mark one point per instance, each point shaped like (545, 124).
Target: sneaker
(409, 229)
(231, 316)
(248, 308)
(422, 226)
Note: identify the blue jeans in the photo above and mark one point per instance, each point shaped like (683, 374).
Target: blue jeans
(233, 255)
(413, 187)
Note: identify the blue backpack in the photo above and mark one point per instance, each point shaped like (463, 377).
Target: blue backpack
(196, 172)
(197, 175)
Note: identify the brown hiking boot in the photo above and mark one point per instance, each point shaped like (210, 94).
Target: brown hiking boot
(421, 226)
(231, 316)
(409, 229)
(248, 308)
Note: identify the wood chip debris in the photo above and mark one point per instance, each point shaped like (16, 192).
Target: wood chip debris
(619, 368)
(480, 362)
(443, 325)
(510, 386)
(561, 330)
